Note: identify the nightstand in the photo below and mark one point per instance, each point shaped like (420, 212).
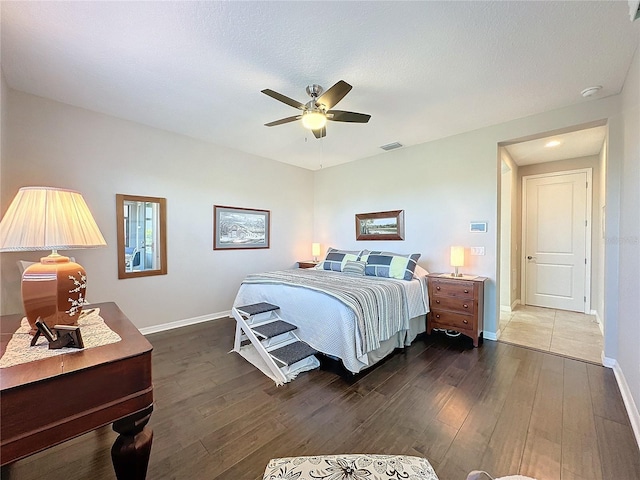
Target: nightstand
(456, 304)
(307, 264)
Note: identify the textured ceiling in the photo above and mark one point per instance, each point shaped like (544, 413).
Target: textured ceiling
(423, 70)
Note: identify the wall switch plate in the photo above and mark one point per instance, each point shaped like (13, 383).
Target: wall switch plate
(477, 250)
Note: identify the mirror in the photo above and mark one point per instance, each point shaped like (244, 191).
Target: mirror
(142, 236)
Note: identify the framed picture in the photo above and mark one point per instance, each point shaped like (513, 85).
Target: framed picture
(380, 225)
(240, 228)
(478, 227)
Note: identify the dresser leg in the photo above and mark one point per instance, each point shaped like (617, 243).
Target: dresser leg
(131, 451)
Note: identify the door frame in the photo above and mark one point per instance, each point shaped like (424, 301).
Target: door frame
(588, 232)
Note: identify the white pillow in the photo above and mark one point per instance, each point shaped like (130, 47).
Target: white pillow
(419, 272)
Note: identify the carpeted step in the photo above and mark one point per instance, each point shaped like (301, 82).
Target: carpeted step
(292, 353)
(273, 329)
(256, 308)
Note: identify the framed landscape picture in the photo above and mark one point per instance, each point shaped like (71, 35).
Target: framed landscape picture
(240, 228)
(380, 225)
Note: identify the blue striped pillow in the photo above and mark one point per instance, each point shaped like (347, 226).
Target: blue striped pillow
(390, 265)
(336, 259)
(354, 268)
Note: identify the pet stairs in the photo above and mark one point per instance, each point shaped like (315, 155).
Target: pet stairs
(274, 340)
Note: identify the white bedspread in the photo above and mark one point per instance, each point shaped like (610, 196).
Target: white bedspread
(324, 322)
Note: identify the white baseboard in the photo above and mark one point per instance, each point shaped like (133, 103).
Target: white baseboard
(510, 308)
(183, 323)
(491, 335)
(627, 398)
(599, 320)
(607, 362)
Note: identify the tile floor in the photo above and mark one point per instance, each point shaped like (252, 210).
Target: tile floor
(571, 334)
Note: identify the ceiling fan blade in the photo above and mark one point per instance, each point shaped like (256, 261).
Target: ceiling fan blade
(282, 120)
(283, 99)
(332, 96)
(321, 132)
(342, 116)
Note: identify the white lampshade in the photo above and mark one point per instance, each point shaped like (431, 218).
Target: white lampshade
(457, 256)
(313, 120)
(315, 249)
(45, 218)
(457, 259)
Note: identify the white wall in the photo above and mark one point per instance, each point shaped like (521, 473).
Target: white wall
(49, 143)
(511, 222)
(599, 245)
(505, 236)
(628, 239)
(442, 186)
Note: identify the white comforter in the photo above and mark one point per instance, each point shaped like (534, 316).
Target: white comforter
(324, 322)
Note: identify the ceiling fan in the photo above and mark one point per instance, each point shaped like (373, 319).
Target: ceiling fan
(317, 111)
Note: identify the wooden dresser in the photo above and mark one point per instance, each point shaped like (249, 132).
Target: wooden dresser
(456, 304)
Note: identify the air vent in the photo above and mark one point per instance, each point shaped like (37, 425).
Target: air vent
(391, 146)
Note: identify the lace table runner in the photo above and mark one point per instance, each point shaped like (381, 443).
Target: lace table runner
(94, 332)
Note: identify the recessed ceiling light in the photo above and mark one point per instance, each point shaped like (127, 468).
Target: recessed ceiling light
(553, 143)
(587, 92)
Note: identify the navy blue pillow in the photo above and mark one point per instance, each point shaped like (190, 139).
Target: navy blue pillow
(336, 259)
(390, 265)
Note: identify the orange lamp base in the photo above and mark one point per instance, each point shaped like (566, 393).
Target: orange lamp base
(53, 290)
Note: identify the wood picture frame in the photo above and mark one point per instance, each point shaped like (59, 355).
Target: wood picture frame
(380, 225)
(240, 228)
(141, 228)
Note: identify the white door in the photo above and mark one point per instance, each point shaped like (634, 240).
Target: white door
(557, 232)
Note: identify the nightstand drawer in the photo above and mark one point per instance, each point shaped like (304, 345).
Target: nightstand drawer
(456, 304)
(452, 320)
(452, 288)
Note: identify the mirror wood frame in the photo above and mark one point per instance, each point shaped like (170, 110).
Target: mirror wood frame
(162, 235)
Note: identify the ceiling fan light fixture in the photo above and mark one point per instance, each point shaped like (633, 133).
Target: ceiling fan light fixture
(314, 120)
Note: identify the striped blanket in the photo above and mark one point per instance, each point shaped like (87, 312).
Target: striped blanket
(379, 304)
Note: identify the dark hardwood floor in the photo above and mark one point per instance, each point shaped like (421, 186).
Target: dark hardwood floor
(500, 408)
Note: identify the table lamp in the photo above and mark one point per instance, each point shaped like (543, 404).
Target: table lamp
(315, 251)
(46, 218)
(457, 259)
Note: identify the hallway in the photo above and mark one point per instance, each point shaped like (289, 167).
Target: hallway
(570, 334)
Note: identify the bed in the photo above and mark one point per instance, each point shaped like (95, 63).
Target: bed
(358, 317)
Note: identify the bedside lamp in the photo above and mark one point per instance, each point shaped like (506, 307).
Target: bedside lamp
(315, 251)
(46, 218)
(457, 259)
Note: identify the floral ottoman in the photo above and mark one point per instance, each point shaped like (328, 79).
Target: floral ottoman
(350, 466)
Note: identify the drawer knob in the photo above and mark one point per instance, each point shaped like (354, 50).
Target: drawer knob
(465, 305)
(437, 301)
(466, 291)
(437, 288)
(465, 321)
(437, 316)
